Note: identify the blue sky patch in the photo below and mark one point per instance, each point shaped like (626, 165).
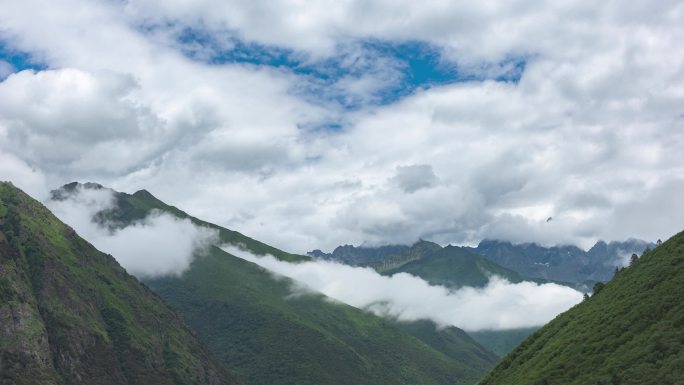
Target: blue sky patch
(390, 70)
(19, 60)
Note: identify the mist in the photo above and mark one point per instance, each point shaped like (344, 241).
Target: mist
(500, 305)
(158, 245)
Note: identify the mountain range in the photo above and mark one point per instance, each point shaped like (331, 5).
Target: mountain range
(569, 264)
(563, 263)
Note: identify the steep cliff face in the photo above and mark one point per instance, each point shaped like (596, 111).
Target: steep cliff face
(70, 314)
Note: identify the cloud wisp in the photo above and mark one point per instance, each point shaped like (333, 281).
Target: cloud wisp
(498, 306)
(158, 245)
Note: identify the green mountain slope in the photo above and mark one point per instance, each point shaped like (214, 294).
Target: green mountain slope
(630, 332)
(247, 318)
(453, 267)
(70, 314)
(417, 251)
(258, 328)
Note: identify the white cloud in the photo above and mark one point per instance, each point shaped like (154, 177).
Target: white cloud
(415, 177)
(499, 305)
(6, 68)
(22, 175)
(158, 245)
(594, 127)
(77, 121)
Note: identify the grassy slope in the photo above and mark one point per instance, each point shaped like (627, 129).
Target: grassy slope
(631, 332)
(270, 337)
(455, 267)
(70, 314)
(246, 317)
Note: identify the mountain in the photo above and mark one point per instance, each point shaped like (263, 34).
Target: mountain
(129, 208)
(358, 255)
(630, 331)
(453, 267)
(267, 335)
(562, 263)
(417, 251)
(456, 267)
(70, 314)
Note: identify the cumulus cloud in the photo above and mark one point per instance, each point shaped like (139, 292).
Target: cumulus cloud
(415, 177)
(5, 69)
(591, 132)
(158, 245)
(22, 175)
(75, 120)
(500, 305)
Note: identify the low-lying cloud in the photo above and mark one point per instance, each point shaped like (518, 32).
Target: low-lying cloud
(498, 306)
(158, 245)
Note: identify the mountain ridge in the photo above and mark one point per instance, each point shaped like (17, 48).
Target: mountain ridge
(561, 263)
(71, 314)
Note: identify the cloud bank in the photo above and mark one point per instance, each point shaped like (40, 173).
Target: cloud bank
(159, 245)
(590, 135)
(498, 306)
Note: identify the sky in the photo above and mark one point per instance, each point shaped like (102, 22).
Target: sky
(308, 125)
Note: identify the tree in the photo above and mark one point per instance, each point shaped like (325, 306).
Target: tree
(633, 259)
(597, 287)
(659, 242)
(586, 296)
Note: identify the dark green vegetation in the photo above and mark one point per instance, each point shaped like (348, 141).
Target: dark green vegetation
(630, 332)
(260, 330)
(70, 314)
